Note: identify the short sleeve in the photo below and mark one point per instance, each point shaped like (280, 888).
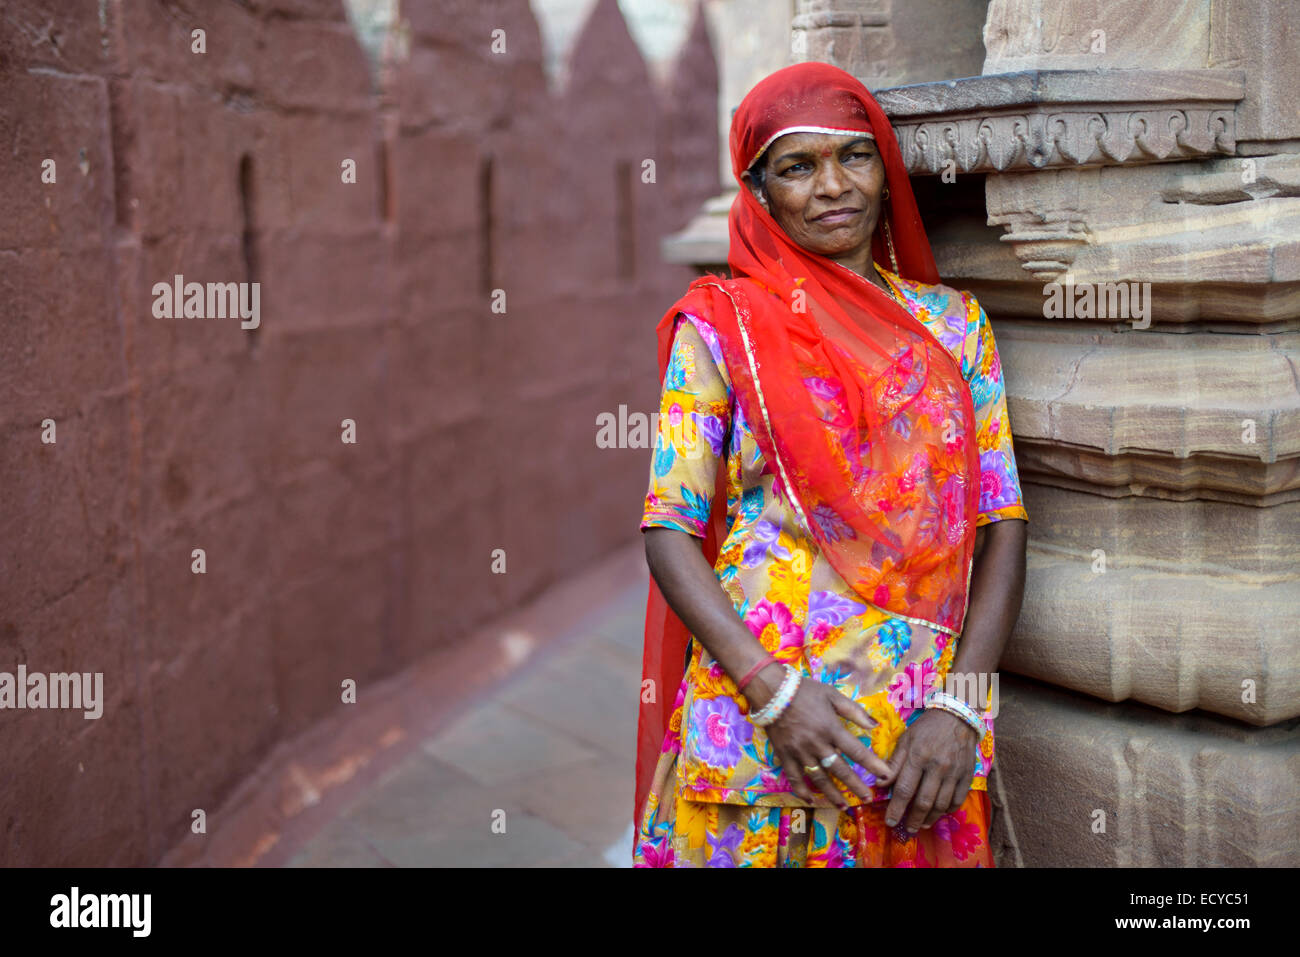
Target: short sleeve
(693, 422)
(1000, 495)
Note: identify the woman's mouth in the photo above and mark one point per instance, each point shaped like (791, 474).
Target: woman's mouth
(836, 216)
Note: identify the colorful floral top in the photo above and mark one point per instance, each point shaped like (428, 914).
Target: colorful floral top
(795, 603)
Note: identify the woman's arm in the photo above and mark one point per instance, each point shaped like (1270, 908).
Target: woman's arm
(934, 759)
(810, 728)
(692, 591)
(997, 590)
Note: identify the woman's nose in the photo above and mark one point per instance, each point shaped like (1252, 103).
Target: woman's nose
(831, 181)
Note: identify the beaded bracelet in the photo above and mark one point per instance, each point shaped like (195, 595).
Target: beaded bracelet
(954, 705)
(781, 700)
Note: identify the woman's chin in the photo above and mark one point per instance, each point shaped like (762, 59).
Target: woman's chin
(834, 250)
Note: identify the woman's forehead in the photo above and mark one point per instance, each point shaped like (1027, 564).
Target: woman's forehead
(813, 142)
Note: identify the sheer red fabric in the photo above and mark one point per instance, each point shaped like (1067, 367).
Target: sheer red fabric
(863, 416)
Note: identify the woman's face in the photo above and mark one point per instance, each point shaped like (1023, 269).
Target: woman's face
(824, 190)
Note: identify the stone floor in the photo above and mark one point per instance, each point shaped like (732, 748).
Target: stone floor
(550, 754)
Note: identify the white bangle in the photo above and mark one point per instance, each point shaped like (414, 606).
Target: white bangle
(954, 705)
(780, 701)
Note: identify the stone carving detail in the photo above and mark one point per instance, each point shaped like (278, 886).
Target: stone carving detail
(1045, 245)
(1053, 140)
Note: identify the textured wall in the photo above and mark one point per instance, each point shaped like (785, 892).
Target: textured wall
(475, 430)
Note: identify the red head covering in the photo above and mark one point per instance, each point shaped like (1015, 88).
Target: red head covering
(861, 413)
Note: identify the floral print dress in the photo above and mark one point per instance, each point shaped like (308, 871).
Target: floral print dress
(719, 798)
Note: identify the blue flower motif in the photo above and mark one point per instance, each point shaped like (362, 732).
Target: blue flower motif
(663, 458)
(894, 638)
(751, 503)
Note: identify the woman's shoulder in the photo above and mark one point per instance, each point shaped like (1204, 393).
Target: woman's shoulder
(693, 327)
(953, 315)
(939, 298)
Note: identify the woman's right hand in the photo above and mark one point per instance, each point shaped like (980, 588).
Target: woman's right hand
(810, 729)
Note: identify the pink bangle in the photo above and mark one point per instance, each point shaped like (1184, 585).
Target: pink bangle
(767, 660)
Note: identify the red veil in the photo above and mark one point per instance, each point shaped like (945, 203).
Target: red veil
(863, 416)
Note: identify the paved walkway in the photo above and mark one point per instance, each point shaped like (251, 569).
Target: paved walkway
(553, 748)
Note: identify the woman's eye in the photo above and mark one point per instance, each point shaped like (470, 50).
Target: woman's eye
(794, 168)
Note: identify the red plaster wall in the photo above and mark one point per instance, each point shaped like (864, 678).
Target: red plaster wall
(476, 431)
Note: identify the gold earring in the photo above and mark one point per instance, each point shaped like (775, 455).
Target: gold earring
(885, 194)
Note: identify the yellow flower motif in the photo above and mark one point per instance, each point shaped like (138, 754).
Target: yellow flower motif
(986, 745)
(848, 830)
(731, 553)
(789, 655)
(760, 846)
(686, 355)
(675, 722)
(734, 590)
(945, 659)
(733, 467)
(790, 581)
(709, 686)
(817, 647)
(885, 735)
(704, 780)
(692, 822)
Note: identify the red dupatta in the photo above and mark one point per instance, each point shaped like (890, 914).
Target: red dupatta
(861, 413)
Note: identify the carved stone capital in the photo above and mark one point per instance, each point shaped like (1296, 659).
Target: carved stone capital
(1011, 142)
(1063, 119)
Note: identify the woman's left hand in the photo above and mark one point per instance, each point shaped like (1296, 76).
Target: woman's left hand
(933, 765)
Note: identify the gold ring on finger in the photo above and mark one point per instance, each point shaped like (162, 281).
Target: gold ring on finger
(812, 769)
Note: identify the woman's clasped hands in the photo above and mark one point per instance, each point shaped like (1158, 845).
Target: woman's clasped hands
(931, 768)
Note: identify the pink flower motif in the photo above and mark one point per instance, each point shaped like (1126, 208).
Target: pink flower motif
(921, 859)
(990, 485)
(954, 511)
(773, 780)
(881, 596)
(907, 690)
(681, 693)
(833, 856)
(820, 631)
(778, 615)
(675, 415)
(657, 853)
(924, 405)
(963, 835)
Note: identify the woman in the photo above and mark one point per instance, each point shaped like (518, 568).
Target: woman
(841, 429)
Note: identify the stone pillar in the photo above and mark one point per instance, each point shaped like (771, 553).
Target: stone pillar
(1157, 437)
